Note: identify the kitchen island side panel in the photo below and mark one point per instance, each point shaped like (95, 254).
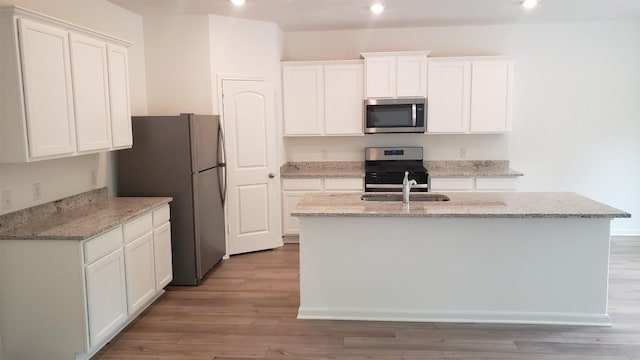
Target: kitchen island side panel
(526, 270)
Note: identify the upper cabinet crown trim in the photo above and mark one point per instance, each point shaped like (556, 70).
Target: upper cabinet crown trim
(322, 62)
(471, 58)
(20, 11)
(395, 53)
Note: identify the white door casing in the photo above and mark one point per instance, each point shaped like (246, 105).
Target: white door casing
(253, 196)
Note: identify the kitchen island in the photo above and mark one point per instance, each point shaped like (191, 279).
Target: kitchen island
(481, 257)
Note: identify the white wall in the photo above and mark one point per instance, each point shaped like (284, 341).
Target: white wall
(247, 49)
(576, 112)
(178, 65)
(66, 177)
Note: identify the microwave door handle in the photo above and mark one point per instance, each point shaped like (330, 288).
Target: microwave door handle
(414, 117)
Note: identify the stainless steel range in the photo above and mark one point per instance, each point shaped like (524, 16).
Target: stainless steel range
(385, 167)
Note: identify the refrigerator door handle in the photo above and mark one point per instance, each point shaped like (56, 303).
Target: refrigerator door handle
(222, 163)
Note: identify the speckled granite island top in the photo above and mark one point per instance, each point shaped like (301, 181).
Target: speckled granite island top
(462, 205)
(84, 221)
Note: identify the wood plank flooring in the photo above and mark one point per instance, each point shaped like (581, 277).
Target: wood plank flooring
(246, 309)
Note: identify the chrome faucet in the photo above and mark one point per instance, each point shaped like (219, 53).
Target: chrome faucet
(406, 187)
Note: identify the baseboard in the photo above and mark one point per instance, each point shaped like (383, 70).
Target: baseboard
(290, 239)
(625, 232)
(501, 317)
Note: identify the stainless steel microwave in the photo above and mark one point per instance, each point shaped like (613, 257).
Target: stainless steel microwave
(395, 115)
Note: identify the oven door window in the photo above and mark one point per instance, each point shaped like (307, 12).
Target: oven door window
(381, 116)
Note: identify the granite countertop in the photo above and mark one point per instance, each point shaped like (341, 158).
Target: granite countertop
(83, 221)
(462, 205)
(355, 169)
(314, 169)
(473, 168)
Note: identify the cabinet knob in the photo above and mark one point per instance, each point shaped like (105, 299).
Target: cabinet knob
(272, 175)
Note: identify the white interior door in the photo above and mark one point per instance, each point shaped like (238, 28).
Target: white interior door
(253, 201)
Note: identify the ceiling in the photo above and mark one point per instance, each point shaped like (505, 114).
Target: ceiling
(301, 15)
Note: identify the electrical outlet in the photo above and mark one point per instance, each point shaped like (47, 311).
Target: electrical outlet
(463, 153)
(37, 193)
(6, 200)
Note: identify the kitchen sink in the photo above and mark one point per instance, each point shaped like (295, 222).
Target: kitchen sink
(398, 197)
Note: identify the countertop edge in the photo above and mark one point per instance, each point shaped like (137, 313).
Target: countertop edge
(468, 216)
(160, 201)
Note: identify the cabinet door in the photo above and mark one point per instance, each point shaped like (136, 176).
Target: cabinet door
(48, 94)
(337, 185)
(380, 77)
(491, 86)
(91, 93)
(451, 184)
(106, 296)
(141, 280)
(449, 97)
(119, 96)
(290, 200)
(343, 94)
(411, 76)
(162, 254)
(303, 95)
(497, 183)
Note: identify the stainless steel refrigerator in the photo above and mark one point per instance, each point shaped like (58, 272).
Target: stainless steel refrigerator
(183, 157)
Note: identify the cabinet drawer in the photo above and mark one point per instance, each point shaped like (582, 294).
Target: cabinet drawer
(452, 184)
(496, 184)
(302, 184)
(343, 184)
(161, 215)
(137, 227)
(102, 245)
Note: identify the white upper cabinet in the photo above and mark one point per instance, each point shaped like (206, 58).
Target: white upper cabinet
(64, 89)
(48, 93)
(411, 76)
(303, 96)
(469, 95)
(381, 76)
(322, 98)
(343, 87)
(491, 89)
(120, 108)
(91, 88)
(392, 75)
(449, 97)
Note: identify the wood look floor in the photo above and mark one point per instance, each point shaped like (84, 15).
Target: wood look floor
(246, 309)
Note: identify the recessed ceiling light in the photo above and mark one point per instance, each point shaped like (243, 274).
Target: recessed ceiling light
(377, 8)
(529, 4)
(237, 2)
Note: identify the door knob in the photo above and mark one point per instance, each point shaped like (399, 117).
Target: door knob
(272, 175)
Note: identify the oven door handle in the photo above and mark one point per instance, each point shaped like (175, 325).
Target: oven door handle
(394, 186)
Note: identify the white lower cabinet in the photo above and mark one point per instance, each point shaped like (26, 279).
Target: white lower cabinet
(451, 184)
(454, 184)
(80, 294)
(106, 296)
(162, 255)
(141, 279)
(293, 190)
